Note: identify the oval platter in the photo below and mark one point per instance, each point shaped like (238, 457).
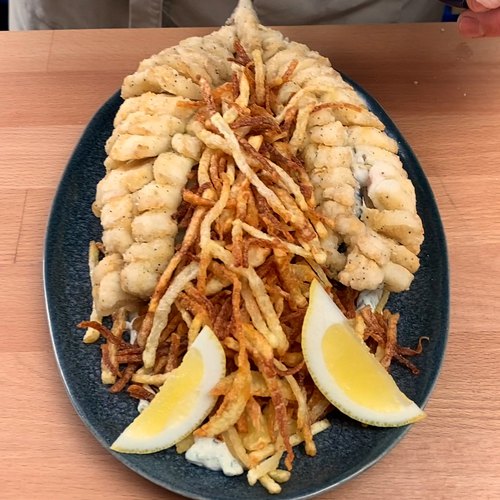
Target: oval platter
(344, 450)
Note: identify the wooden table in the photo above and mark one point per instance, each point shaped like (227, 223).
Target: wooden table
(442, 91)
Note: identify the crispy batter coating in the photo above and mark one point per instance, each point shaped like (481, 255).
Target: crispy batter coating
(373, 234)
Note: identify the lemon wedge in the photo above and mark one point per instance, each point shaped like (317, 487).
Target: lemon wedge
(345, 370)
(182, 403)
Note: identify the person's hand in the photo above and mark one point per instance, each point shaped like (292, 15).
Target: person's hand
(483, 19)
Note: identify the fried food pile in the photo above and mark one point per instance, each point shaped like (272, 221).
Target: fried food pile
(241, 168)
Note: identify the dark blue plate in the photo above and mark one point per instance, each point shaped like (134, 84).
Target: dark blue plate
(344, 450)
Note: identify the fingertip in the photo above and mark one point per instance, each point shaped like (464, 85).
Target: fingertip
(475, 6)
(487, 4)
(469, 26)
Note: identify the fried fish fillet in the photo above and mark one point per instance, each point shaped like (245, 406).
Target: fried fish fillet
(360, 184)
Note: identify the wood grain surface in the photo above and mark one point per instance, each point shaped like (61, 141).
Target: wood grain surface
(444, 94)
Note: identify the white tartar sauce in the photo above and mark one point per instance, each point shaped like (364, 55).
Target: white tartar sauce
(369, 298)
(130, 328)
(214, 455)
(131, 331)
(133, 335)
(143, 404)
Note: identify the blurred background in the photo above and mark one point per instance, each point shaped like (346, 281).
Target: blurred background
(449, 14)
